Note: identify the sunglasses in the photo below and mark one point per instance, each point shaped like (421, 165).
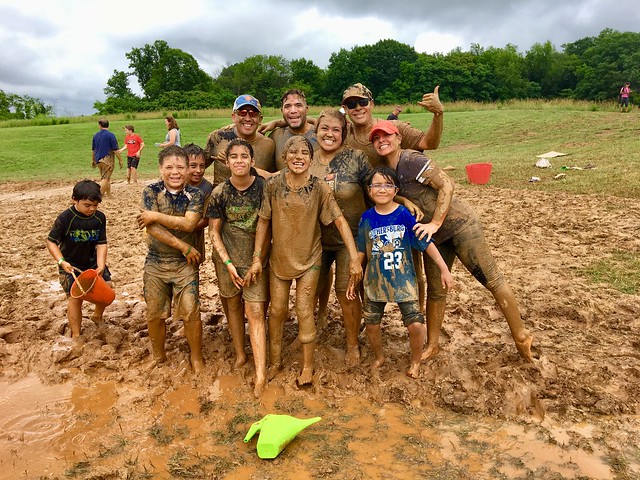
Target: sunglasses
(251, 113)
(351, 104)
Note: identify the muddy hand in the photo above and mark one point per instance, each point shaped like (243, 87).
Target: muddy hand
(355, 272)
(254, 273)
(192, 255)
(425, 229)
(145, 218)
(431, 101)
(237, 279)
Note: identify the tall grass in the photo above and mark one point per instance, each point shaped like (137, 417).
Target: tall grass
(509, 135)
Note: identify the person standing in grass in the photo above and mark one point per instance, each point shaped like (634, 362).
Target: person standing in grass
(233, 217)
(625, 91)
(78, 240)
(171, 210)
(103, 148)
(173, 133)
(385, 239)
(133, 144)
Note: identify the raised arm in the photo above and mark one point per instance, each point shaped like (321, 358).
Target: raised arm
(431, 101)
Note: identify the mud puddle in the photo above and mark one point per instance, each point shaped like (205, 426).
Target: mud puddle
(109, 430)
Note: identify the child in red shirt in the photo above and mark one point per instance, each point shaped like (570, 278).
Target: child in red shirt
(133, 144)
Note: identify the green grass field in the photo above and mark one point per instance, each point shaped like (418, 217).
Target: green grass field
(508, 136)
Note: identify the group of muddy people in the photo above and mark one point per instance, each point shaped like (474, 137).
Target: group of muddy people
(345, 201)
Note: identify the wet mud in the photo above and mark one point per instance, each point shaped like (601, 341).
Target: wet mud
(101, 409)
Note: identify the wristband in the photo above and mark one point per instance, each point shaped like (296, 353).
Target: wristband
(61, 261)
(187, 252)
(257, 253)
(227, 261)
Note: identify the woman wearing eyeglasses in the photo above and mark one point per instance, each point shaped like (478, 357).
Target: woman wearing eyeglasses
(456, 231)
(357, 102)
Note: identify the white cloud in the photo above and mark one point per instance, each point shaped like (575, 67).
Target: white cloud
(433, 42)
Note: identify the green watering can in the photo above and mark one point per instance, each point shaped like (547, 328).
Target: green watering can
(276, 432)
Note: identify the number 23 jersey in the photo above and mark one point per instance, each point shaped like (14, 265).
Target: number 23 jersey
(387, 240)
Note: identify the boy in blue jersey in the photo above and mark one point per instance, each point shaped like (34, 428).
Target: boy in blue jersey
(385, 238)
(78, 240)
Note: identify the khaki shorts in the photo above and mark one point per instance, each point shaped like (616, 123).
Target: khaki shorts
(106, 164)
(167, 283)
(255, 292)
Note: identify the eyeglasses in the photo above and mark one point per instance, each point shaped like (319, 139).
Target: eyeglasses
(351, 104)
(251, 113)
(387, 187)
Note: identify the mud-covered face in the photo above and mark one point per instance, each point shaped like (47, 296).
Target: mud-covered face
(359, 109)
(247, 120)
(239, 160)
(386, 143)
(86, 207)
(298, 157)
(329, 134)
(294, 111)
(195, 169)
(173, 172)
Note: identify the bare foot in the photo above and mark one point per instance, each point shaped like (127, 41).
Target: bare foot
(273, 371)
(430, 352)
(306, 377)
(240, 361)
(353, 356)
(98, 320)
(259, 388)
(323, 317)
(414, 371)
(197, 363)
(377, 363)
(524, 347)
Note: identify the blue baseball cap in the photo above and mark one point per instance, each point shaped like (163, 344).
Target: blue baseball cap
(243, 100)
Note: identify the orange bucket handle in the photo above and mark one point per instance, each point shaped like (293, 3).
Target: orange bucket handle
(79, 284)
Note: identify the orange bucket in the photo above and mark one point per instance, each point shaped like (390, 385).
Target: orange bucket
(91, 287)
(479, 173)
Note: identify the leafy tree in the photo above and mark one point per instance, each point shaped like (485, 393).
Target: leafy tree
(14, 106)
(143, 61)
(309, 78)
(177, 71)
(118, 85)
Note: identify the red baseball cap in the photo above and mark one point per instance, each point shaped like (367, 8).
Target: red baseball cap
(385, 126)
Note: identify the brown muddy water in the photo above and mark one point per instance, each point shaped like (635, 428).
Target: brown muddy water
(108, 430)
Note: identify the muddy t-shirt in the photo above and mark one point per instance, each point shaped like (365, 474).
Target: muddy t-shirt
(295, 223)
(206, 188)
(238, 210)
(386, 240)
(157, 198)
(346, 175)
(415, 173)
(281, 135)
(78, 235)
(411, 138)
(263, 152)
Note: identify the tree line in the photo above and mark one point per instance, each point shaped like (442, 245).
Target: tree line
(592, 68)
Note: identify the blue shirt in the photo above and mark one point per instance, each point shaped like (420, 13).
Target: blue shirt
(103, 143)
(387, 241)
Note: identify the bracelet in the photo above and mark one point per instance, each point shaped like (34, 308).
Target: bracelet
(227, 261)
(187, 252)
(257, 253)
(61, 261)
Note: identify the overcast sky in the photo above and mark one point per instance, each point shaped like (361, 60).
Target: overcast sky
(64, 51)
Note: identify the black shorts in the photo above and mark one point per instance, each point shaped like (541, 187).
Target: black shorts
(132, 162)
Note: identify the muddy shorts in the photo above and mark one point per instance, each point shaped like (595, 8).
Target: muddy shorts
(106, 164)
(342, 259)
(373, 312)
(66, 279)
(471, 248)
(255, 292)
(132, 162)
(167, 283)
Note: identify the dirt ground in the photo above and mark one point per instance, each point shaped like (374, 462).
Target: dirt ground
(101, 411)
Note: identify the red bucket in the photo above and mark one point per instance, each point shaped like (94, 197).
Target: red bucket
(91, 287)
(479, 173)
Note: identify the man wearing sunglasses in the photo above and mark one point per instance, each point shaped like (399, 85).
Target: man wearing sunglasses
(246, 116)
(357, 101)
